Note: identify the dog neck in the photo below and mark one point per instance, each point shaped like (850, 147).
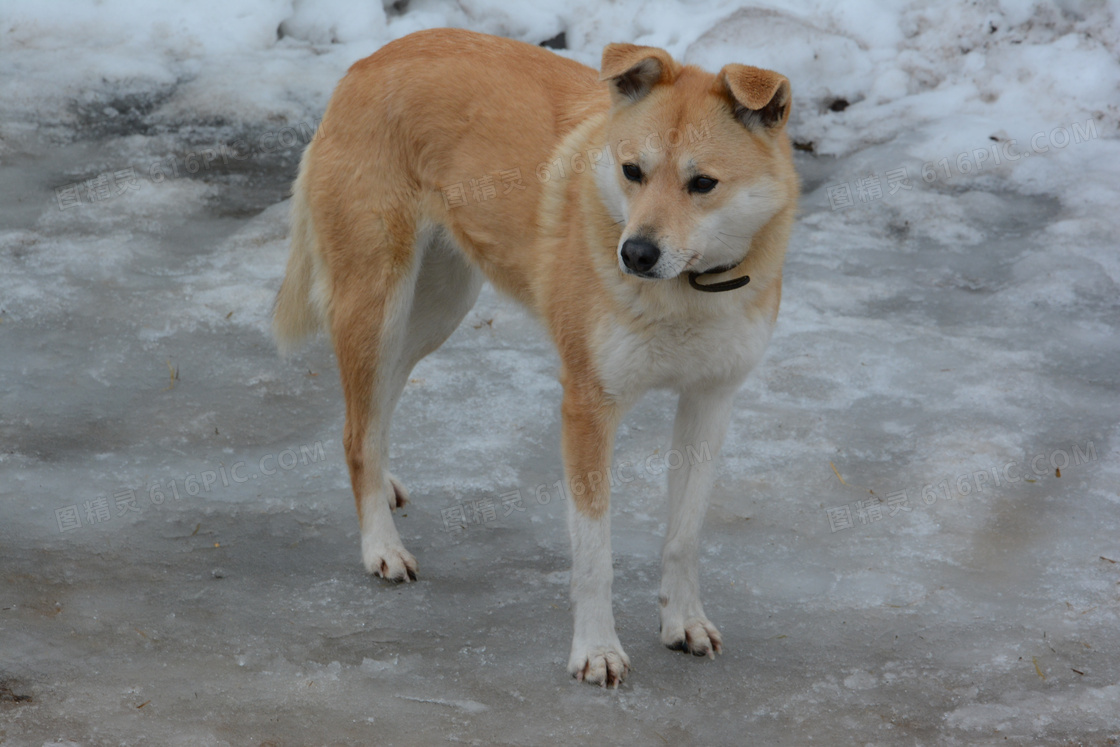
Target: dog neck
(723, 285)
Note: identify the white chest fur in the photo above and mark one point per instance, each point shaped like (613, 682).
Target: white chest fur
(718, 352)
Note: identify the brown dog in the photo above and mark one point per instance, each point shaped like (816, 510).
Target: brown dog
(627, 209)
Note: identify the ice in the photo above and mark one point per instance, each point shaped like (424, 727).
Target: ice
(950, 338)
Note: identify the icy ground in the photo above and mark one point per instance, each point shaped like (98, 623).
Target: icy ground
(891, 555)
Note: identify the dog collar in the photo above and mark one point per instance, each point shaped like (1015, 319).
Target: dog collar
(726, 285)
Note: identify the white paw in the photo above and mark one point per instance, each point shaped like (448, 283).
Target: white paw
(696, 635)
(599, 665)
(392, 563)
(398, 496)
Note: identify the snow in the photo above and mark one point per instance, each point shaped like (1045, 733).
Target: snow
(951, 334)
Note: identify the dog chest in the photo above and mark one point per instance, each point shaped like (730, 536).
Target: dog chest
(677, 355)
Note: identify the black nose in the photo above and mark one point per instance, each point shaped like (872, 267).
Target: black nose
(640, 255)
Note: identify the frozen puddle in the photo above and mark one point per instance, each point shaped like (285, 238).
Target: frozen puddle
(215, 596)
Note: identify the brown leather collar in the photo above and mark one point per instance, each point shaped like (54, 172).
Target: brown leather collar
(726, 285)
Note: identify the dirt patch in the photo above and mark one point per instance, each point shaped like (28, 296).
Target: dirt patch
(9, 694)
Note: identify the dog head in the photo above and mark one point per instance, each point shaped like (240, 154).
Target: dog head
(701, 161)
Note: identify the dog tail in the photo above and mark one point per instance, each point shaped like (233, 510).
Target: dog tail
(297, 313)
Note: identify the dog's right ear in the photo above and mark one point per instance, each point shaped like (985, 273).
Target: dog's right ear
(633, 70)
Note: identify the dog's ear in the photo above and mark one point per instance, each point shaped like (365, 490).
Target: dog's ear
(634, 70)
(761, 98)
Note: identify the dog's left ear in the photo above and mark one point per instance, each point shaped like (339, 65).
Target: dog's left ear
(633, 71)
(761, 97)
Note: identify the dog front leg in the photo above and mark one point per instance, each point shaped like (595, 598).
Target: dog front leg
(701, 424)
(588, 439)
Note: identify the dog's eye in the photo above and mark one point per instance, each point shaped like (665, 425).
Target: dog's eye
(702, 184)
(632, 171)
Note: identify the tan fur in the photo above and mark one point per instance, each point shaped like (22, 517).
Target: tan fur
(376, 246)
(296, 315)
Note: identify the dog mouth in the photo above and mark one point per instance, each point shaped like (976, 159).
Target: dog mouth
(693, 259)
(648, 275)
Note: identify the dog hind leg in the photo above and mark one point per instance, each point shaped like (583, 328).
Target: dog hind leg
(445, 289)
(382, 328)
